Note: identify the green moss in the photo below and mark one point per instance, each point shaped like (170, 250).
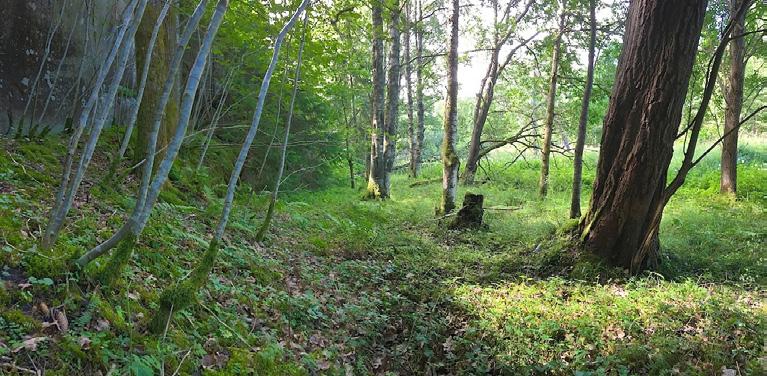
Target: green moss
(184, 293)
(111, 272)
(268, 362)
(18, 318)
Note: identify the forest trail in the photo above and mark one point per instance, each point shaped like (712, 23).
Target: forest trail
(346, 286)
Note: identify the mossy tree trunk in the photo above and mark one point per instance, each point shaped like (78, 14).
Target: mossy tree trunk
(449, 157)
(164, 50)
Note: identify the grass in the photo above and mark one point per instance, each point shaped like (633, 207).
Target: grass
(350, 287)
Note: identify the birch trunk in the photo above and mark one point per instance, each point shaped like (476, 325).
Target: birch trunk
(182, 294)
(543, 183)
(449, 157)
(137, 219)
(284, 149)
(580, 142)
(58, 212)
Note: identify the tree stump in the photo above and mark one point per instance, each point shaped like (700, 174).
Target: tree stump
(470, 215)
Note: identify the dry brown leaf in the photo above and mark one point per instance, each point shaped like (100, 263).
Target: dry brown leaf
(61, 321)
(85, 342)
(30, 344)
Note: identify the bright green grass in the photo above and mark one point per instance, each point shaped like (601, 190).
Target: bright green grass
(344, 286)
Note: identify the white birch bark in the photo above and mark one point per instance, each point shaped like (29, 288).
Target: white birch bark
(286, 137)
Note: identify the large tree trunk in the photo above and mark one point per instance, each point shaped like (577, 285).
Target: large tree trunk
(391, 116)
(641, 124)
(376, 184)
(543, 184)
(449, 157)
(580, 143)
(734, 102)
(163, 51)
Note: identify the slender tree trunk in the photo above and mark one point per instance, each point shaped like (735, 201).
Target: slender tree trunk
(411, 131)
(734, 103)
(60, 209)
(350, 127)
(217, 115)
(487, 88)
(640, 126)
(182, 294)
(141, 210)
(391, 117)
(43, 61)
(57, 75)
(580, 143)
(284, 149)
(449, 157)
(543, 184)
(420, 110)
(376, 188)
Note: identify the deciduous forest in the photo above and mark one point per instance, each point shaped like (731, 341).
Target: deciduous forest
(383, 187)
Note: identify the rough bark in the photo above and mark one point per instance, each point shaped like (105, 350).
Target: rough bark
(284, 148)
(640, 126)
(162, 63)
(147, 52)
(376, 184)
(449, 156)
(580, 142)
(543, 183)
(734, 104)
(471, 213)
(391, 116)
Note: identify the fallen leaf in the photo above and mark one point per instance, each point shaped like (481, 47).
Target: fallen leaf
(30, 344)
(101, 325)
(323, 364)
(85, 342)
(44, 309)
(61, 321)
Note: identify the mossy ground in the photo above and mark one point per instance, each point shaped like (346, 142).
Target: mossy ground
(343, 286)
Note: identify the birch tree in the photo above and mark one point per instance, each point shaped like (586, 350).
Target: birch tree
(284, 149)
(135, 224)
(62, 203)
(182, 294)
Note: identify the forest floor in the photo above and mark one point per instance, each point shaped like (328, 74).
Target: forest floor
(350, 287)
